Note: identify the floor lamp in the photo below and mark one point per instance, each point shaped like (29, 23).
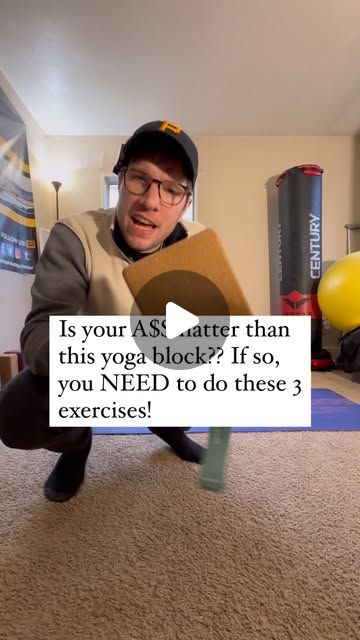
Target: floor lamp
(56, 184)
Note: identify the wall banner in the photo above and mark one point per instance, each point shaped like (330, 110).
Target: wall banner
(18, 242)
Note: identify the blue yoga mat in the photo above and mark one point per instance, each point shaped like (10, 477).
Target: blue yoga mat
(330, 412)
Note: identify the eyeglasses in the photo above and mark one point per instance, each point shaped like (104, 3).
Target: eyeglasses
(171, 193)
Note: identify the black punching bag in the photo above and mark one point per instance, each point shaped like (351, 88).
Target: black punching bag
(300, 250)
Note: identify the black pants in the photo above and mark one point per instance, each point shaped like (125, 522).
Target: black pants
(24, 418)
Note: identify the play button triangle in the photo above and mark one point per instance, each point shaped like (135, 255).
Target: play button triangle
(178, 320)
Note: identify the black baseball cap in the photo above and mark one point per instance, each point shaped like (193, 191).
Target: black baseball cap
(149, 134)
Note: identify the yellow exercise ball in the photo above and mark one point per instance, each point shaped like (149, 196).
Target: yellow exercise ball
(339, 293)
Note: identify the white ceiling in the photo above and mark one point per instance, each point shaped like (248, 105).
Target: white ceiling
(225, 67)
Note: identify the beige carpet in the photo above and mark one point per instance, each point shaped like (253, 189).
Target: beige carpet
(144, 554)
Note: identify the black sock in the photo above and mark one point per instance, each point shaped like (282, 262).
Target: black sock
(181, 444)
(67, 475)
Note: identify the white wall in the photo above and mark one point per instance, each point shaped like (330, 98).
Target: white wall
(231, 197)
(15, 303)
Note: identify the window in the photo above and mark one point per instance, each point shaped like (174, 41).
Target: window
(110, 192)
(111, 197)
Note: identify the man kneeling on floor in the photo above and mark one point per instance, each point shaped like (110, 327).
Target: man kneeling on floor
(80, 271)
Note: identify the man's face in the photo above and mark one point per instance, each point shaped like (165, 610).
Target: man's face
(134, 212)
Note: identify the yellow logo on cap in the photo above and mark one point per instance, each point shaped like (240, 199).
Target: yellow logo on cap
(174, 128)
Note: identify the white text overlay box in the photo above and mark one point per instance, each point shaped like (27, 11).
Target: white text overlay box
(260, 376)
